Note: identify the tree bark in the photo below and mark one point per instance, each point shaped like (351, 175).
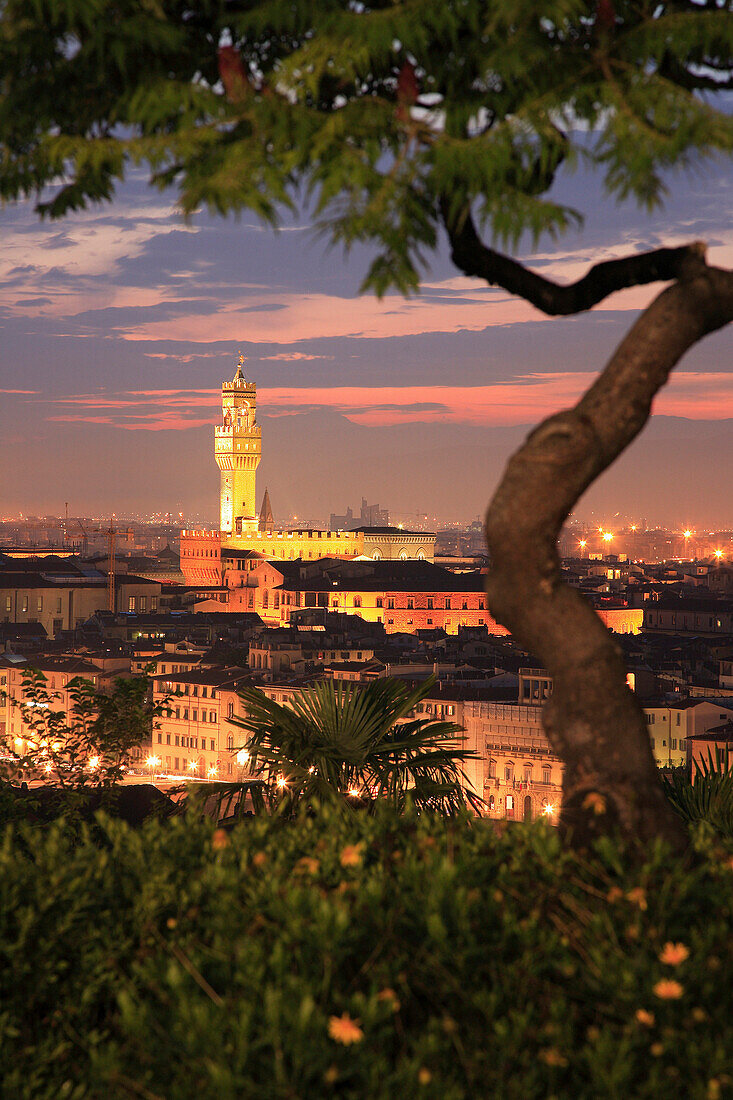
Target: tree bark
(592, 719)
(473, 257)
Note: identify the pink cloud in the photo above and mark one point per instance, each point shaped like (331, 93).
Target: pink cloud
(525, 399)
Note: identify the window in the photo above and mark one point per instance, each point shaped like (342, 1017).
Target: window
(430, 603)
(178, 742)
(212, 715)
(380, 601)
(185, 715)
(195, 715)
(130, 603)
(204, 692)
(230, 742)
(39, 604)
(168, 741)
(527, 773)
(143, 603)
(160, 738)
(410, 603)
(153, 603)
(211, 743)
(510, 804)
(203, 715)
(230, 710)
(509, 773)
(178, 712)
(357, 601)
(390, 606)
(58, 605)
(546, 774)
(25, 604)
(9, 603)
(492, 769)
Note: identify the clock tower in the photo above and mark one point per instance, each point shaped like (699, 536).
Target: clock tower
(238, 449)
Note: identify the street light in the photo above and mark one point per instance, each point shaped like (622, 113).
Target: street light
(243, 758)
(152, 762)
(548, 809)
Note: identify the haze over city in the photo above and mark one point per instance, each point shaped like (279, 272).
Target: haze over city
(119, 325)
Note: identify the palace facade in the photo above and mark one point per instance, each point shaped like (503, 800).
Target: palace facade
(238, 451)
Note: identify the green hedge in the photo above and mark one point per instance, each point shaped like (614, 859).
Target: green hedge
(180, 962)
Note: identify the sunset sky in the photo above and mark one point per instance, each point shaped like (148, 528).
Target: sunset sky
(119, 325)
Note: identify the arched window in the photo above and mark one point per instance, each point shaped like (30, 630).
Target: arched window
(492, 769)
(492, 803)
(508, 772)
(527, 773)
(377, 555)
(546, 774)
(230, 742)
(230, 710)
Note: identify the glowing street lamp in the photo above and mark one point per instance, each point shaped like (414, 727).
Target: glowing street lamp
(607, 536)
(152, 762)
(192, 765)
(282, 782)
(93, 763)
(718, 554)
(548, 809)
(212, 771)
(243, 758)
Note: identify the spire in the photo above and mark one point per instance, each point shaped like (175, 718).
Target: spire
(239, 374)
(267, 520)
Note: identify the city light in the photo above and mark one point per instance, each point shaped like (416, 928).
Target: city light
(282, 782)
(583, 544)
(93, 763)
(607, 536)
(354, 792)
(548, 809)
(718, 554)
(212, 771)
(192, 765)
(242, 757)
(152, 761)
(687, 534)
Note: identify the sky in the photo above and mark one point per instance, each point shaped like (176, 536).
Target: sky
(118, 326)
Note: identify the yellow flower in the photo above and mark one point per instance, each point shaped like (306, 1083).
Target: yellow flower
(595, 802)
(637, 896)
(644, 1017)
(219, 839)
(308, 864)
(345, 1030)
(668, 990)
(674, 953)
(391, 997)
(551, 1056)
(351, 855)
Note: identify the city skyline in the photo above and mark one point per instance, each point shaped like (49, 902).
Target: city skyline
(120, 324)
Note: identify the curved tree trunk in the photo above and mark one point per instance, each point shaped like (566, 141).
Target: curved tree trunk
(592, 719)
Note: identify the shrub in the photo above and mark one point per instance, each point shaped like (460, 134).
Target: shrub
(363, 956)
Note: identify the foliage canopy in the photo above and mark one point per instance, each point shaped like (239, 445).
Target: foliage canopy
(393, 115)
(174, 962)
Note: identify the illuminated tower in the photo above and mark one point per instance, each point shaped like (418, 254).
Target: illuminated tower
(238, 449)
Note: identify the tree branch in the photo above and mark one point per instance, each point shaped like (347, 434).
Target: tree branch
(592, 719)
(473, 257)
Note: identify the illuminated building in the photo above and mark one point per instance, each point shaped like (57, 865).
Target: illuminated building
(238, 450)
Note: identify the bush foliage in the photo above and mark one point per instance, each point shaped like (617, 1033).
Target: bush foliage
(360, 956)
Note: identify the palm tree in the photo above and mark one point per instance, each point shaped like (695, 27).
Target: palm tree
(342, 742)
